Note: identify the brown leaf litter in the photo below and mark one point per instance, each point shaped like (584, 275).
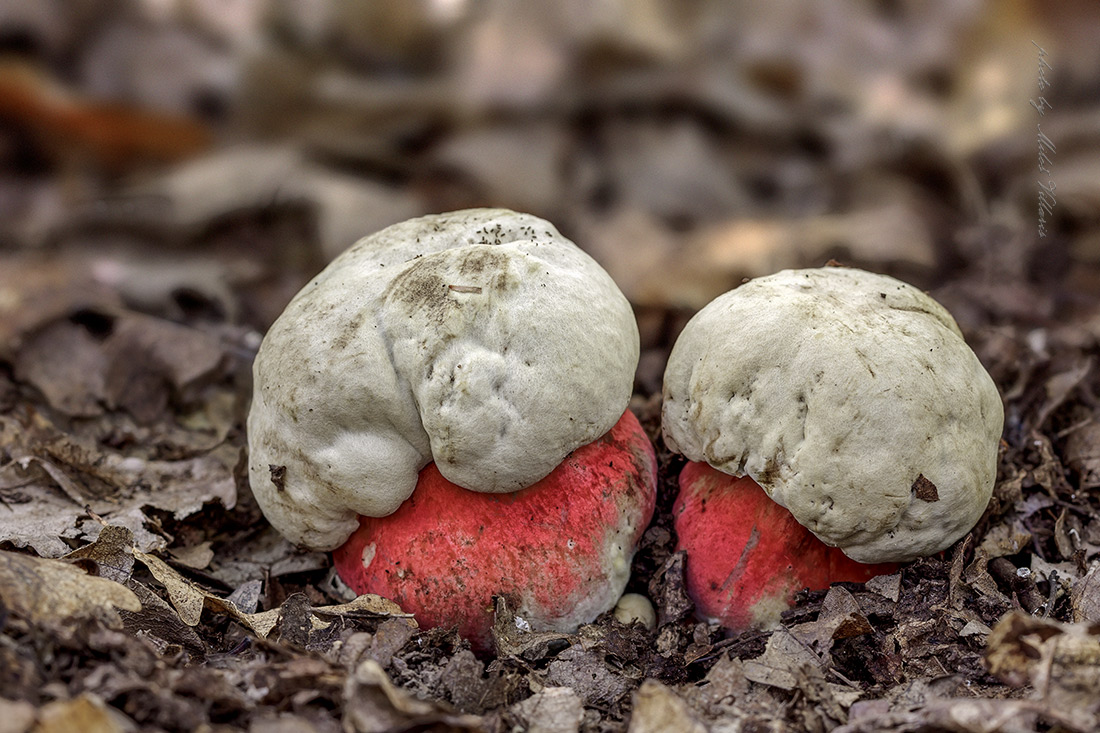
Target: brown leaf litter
(685, 148)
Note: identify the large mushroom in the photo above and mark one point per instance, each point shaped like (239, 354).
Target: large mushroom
(482, 342)
(853, 401)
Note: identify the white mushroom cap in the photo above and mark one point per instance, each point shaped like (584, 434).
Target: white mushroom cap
(851, 398)
(480, 339)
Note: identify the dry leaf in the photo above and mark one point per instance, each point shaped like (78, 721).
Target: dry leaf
(159, 622)
(266, 554)
(72, 127)
(1061, 661)
(668, 591)
(112, 553)
(86, 713)
(1061, 385)
(965, 715)
(724, 684)
(658, 709)
(52, 591)
(675, 171)
(197, 556)
(149, 359)
(189, 600)
(1085, 596)
(114, 486)
(93, 358)
(779, 665)
(37, 289)
(587, 674)
(656, 267)
(1003, 539)
(975, 628)
(367, 604)
(645, 259)
(66, 363)
(550, 710)
(488, 156)
(256, 177)
(375, 705)
(888, 234)
(840, 618)
(888, 586)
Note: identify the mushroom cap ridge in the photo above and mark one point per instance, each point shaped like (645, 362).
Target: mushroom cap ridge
(851, 398)
(481, 340)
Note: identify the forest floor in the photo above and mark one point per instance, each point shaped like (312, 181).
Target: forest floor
(141, 587)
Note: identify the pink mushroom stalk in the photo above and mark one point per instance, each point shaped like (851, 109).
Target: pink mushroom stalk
(561, 547)
(748, 556)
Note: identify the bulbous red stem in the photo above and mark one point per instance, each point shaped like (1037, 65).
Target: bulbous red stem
(747, 556)
(554, 546)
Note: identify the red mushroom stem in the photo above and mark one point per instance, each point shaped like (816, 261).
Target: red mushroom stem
(747, 556)
(561, 547)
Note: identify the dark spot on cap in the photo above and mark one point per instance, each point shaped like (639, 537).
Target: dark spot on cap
(925, 489)
(278, 476)
(770, 473)
(429, 285)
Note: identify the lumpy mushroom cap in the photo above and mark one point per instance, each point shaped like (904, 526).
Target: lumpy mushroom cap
(482, 340)
(851, 398)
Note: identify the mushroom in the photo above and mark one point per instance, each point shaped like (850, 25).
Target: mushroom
(636, 608)
(480, 341)
(853, 401)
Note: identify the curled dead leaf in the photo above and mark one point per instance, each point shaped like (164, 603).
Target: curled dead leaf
(375, 705)
(118, 487)
(112, 553)
(1061, 661)
(190, 600)
(53, 591)
(554, 708)
(1085, 596)
(86, 712)
(657, 708)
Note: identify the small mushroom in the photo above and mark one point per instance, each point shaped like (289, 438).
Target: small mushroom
(635, 608)
(481, 342)
(853, 401)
